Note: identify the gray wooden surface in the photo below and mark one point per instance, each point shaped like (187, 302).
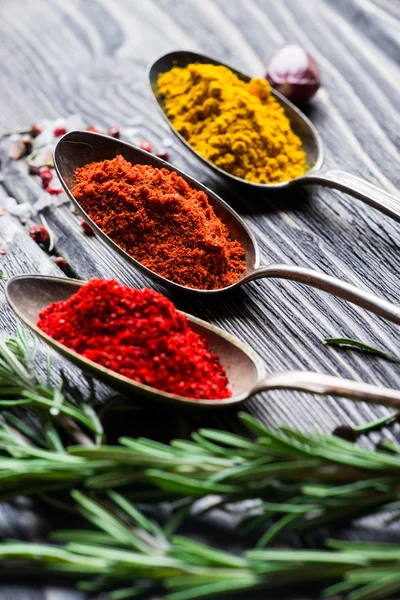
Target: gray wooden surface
(90, 58)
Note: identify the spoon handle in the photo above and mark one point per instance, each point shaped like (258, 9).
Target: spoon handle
(332, 285)
(359, 188)
(328, 385)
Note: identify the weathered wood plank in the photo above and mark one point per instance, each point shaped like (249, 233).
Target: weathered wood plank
(90, 58)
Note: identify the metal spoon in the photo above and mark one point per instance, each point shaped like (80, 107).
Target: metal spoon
(28, 295)
(78, 148)
(301, 125)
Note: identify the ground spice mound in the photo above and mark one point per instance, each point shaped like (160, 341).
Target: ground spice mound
(139, 334)
(155, 216)
(237, 125)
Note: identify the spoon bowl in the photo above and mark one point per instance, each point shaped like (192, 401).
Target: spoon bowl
(79, 148)
(28, 295)
(301, 126)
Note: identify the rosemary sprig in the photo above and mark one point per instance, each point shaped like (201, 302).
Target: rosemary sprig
(126, 547)
(302, 483)
(20, 385)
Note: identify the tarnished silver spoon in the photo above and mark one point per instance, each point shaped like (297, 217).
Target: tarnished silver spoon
(78, 148)
(301, 125)
(28, 295)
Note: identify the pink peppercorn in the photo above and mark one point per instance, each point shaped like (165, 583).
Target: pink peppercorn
(46, 176)
(163, 154)
(35, 130)
(61, 263)
(114, 131)
(145, 145)
(39, 234)
(27, 142)
(86, 228)
(3, 251)
(34, 168)
(58, 131)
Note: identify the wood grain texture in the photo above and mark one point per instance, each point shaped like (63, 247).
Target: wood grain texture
(90, 58)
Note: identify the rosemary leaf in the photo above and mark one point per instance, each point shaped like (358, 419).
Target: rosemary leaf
(276, 529)
(377, 590)
(377, 424)
(138, 518)
(214, 589)
(213, 557)
(309, 556)
(181, 484)
(22, 427)
(127, 593)
(361, 346)
(110, 524)
(228, 439)
(83, 536)
(178, 517)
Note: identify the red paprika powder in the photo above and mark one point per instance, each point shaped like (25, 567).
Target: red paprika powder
(156, 217)
(139, 334)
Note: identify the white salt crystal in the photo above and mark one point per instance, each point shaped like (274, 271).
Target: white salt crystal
(43, 201)
(131, 132)
(167, 142)
(18, 210)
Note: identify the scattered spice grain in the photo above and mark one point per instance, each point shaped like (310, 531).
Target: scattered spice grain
(52, 190)
(35, 130)
(86, 227)
(92, 128)
(114, 131)
(59, 131)
(163, 154)
(61, 263)
(46, 176)
(39, 234)
(145, 145)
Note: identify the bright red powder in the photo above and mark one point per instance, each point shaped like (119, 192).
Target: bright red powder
(139, 334)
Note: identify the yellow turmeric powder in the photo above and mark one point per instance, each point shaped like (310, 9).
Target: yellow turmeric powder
(238, 126)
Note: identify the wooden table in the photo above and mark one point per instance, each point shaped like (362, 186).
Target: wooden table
(90, 58)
